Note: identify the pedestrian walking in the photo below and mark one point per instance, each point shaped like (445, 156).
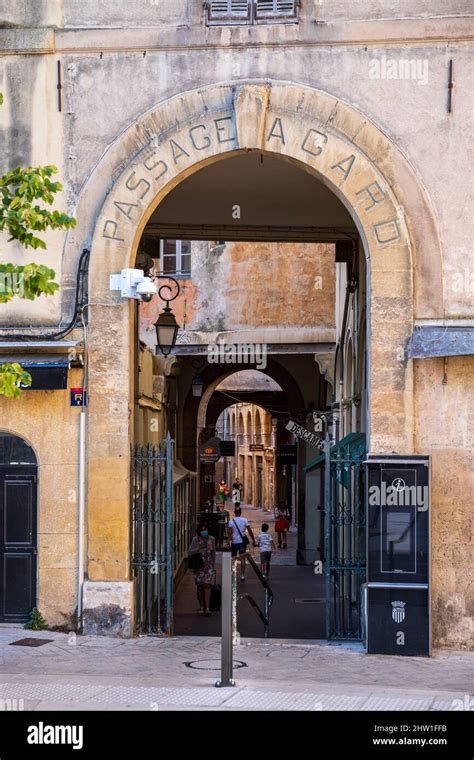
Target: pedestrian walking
(202, 561)
(282, 523)
(239, 487)
(222, 494)
(237, 529)
(266, 544)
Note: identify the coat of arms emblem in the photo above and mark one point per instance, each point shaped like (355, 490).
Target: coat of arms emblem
(398, 611)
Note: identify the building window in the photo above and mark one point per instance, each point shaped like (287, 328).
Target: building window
(275, 10)
(175, 257)
(228, 12)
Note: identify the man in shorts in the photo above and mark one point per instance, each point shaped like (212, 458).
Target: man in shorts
(237, 528)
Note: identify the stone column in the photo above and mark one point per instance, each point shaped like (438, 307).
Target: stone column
(108, 592)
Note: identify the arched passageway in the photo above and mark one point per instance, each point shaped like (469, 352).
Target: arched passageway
(255, 473)
(347, 155)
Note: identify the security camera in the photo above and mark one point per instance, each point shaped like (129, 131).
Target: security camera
(146, 289)
(132, 283)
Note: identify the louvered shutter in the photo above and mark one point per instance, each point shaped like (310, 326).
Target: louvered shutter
(269, 9)
(229, 10)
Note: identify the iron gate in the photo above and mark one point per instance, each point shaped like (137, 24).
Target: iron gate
(151, 502)
(345, 542)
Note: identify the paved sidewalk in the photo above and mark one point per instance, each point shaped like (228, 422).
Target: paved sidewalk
(100, 673)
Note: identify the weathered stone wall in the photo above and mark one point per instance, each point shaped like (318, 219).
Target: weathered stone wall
(108, 82)
(248, 286)
(445, 429)
(31, 133)
(47, 421)
(110, 14)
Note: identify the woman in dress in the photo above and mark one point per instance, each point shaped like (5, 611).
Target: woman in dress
(222, 493)
(205, 545)
(282, 523)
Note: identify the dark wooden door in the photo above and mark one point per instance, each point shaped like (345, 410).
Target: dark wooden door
(260, 486)
(18, 542)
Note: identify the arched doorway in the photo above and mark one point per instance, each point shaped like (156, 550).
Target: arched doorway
(263, 405)
(18, 528)
(325, 138)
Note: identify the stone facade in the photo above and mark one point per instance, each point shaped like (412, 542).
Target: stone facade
(149, 96)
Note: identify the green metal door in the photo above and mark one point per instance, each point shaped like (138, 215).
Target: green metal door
(345, 538)
(151, 520)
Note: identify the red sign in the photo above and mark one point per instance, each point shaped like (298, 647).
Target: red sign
(78, 397)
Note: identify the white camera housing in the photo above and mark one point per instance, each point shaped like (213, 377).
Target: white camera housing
(146, 289)
(132, 283)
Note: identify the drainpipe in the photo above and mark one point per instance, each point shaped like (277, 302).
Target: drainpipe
(81, 514)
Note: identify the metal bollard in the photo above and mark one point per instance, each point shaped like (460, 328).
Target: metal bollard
(266, 633)
(227, 666)
(235, 633)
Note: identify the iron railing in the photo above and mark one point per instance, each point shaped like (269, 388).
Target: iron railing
(264, 614)
(151, 520)
(184, 519)
(346, 545)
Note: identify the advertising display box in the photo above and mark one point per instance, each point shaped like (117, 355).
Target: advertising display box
(398, 555)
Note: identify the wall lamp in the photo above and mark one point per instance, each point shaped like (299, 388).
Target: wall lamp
(133, 283)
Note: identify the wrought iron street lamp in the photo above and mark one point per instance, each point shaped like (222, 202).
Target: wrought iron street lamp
(166, 325)
(197, 386)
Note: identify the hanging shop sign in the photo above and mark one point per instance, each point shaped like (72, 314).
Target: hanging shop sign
(257, 447)
(287, 453)
(227, 448)
(306, 435)
(210, 452)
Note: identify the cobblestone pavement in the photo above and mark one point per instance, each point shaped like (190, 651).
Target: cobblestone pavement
(100, 673)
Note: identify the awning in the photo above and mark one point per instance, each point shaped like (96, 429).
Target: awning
(434, 341)
(351, 446)
(48, 371)
(53, 346)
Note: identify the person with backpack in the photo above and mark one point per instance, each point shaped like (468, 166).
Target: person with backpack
(237, 529)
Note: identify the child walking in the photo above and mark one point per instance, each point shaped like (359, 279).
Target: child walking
(266, 544)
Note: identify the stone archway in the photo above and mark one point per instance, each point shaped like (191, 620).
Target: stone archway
(162, 148)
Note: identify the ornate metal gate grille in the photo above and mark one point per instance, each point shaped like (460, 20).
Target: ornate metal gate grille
(151, 502)
(345, 543)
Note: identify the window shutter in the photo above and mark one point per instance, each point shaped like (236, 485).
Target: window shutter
(229, 10)
(275, 9)
(250, 11)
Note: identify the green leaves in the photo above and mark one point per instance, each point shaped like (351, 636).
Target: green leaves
(29, 281)
(11, 375)
(20, 214)
(25, 194)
